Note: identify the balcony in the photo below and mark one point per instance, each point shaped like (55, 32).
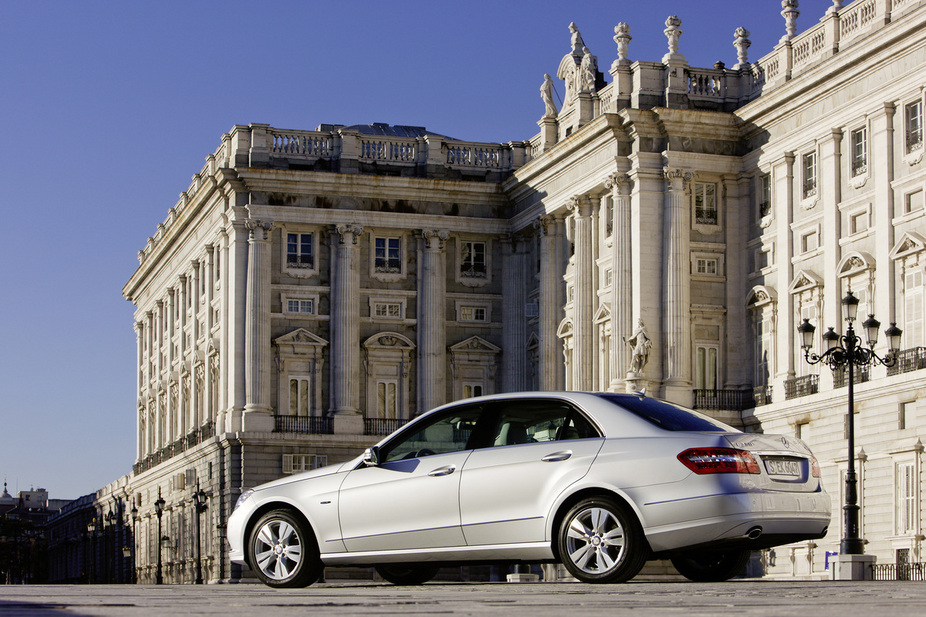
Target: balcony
(722, 400)
(762, 395)
(382, 426)
(307, 425)
(802, 386)
(908, 360)
(841, 377)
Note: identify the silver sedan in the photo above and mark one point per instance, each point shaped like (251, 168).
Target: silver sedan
(600, 482)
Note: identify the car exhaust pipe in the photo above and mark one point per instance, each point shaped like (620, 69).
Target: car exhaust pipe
(754, 533)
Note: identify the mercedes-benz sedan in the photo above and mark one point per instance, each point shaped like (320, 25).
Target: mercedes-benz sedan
(599, 482)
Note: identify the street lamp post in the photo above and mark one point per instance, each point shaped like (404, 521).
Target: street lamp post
(134, 541)
(199, 506)
(159, 511)
(847, 352)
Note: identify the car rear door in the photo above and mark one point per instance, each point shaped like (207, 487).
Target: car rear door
(536, 448)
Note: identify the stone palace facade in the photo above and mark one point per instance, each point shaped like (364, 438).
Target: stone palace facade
(668, 228)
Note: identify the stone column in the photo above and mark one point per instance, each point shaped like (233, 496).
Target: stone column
(583, 305)
(183, 402)
(514, 320)
(786, 325)
(345, 330)
(140, 379)
(882, 172)
(432, 338)
(172, 376)
(677, 316)
(196, 418)
(621, 277)
(209, 394)
(257, 414)
(551, 300)
(235, 265)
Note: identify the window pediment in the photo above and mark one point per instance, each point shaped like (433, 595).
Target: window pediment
(908, 244)
(805, 281)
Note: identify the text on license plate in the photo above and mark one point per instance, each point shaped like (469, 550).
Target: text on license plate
(780, 467)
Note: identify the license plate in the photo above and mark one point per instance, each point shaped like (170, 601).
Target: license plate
(783, 467)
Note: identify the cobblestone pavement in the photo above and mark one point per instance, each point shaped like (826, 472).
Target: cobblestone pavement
(778, 598)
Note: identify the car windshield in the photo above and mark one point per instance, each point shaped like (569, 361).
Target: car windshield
(668, 416)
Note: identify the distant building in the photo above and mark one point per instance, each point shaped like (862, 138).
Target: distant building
(23, 541)
(312, 290)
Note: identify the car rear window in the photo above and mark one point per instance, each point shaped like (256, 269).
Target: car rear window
(668, 416)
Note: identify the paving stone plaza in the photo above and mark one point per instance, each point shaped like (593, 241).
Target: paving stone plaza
(751, 597)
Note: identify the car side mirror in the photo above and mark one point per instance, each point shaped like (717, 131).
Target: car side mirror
(371, 456)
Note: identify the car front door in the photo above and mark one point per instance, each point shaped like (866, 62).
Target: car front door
(411, 499)
(537, 448)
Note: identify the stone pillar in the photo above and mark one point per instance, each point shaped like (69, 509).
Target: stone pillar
(183, 401)
(514, 320)
(257, 414)
(235, 325)
(881, 170)
(583, 373)
(786, 326)
(140, 335)
(210, 394)
(677, 318)
(195, 411)
(432, 337)
(172, 375)
(551, 301)
(621, 277)
(345, 330)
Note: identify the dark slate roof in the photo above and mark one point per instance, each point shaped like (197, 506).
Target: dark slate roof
(399, 130)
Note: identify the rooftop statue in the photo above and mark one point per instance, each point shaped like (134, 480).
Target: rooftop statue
(546, 93)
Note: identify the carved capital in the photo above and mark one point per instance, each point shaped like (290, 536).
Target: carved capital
(618, 182)
(348, 233)
(258, 230)
(580, 205)
(677, 178)
(434, 238)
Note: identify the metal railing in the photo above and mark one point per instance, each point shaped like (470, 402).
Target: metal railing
(382, 426)
(802, 386)
(841, 377)
(723, 400)
(311, 425)
(908, 360)
(762, 395)
(898, 572)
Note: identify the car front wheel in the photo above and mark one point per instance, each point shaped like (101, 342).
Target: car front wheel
(283, 551)
(711, 567)
(407, 574)
(600, 541)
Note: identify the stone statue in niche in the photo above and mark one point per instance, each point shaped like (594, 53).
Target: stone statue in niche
(546, 93)
(641, 344)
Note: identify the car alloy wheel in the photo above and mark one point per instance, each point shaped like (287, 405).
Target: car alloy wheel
(283, 552)
(600, 541)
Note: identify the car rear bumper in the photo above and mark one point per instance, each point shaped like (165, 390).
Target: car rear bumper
(757, 520)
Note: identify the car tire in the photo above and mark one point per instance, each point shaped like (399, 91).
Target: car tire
(283, 552)
(711, 566)
(601, 541)
(407, 574)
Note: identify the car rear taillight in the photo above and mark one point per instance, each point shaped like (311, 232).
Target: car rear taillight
(815, 467)
(718, 460)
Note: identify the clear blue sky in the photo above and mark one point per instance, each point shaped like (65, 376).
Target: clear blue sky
(108, 108)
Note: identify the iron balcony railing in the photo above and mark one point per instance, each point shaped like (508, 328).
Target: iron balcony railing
(762, 395)
(841, 377)
(723, 400)
(382, 426)
(311, 425)
(908, 360)
(802, 386)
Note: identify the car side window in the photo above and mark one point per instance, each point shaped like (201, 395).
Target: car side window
(537, 421)
(443, 433)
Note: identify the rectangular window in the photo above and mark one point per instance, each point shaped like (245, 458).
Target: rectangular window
(297, 463)
(472, 313)
(765, 195)
(386, 404)
(913, 118)
(388, 255)
(763, 347)
(809, 178)
(706, 368)
(913, 202)
(809, 241)
(858, 222)
(295, 305)
(472, 389)
(906, 498)
(904, 413)
(300, 396)
(706, 266)
(913, 310)
(389, 310)
(608, 277)
(705, 196)
(300, 250)
(859, 151)
(473, 260)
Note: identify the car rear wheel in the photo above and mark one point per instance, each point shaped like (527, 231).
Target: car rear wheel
(600, 541)
(407, 574)
(282, 551)
(713, 566)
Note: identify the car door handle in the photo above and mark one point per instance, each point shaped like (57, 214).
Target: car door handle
(443, 471)
(557, 456)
